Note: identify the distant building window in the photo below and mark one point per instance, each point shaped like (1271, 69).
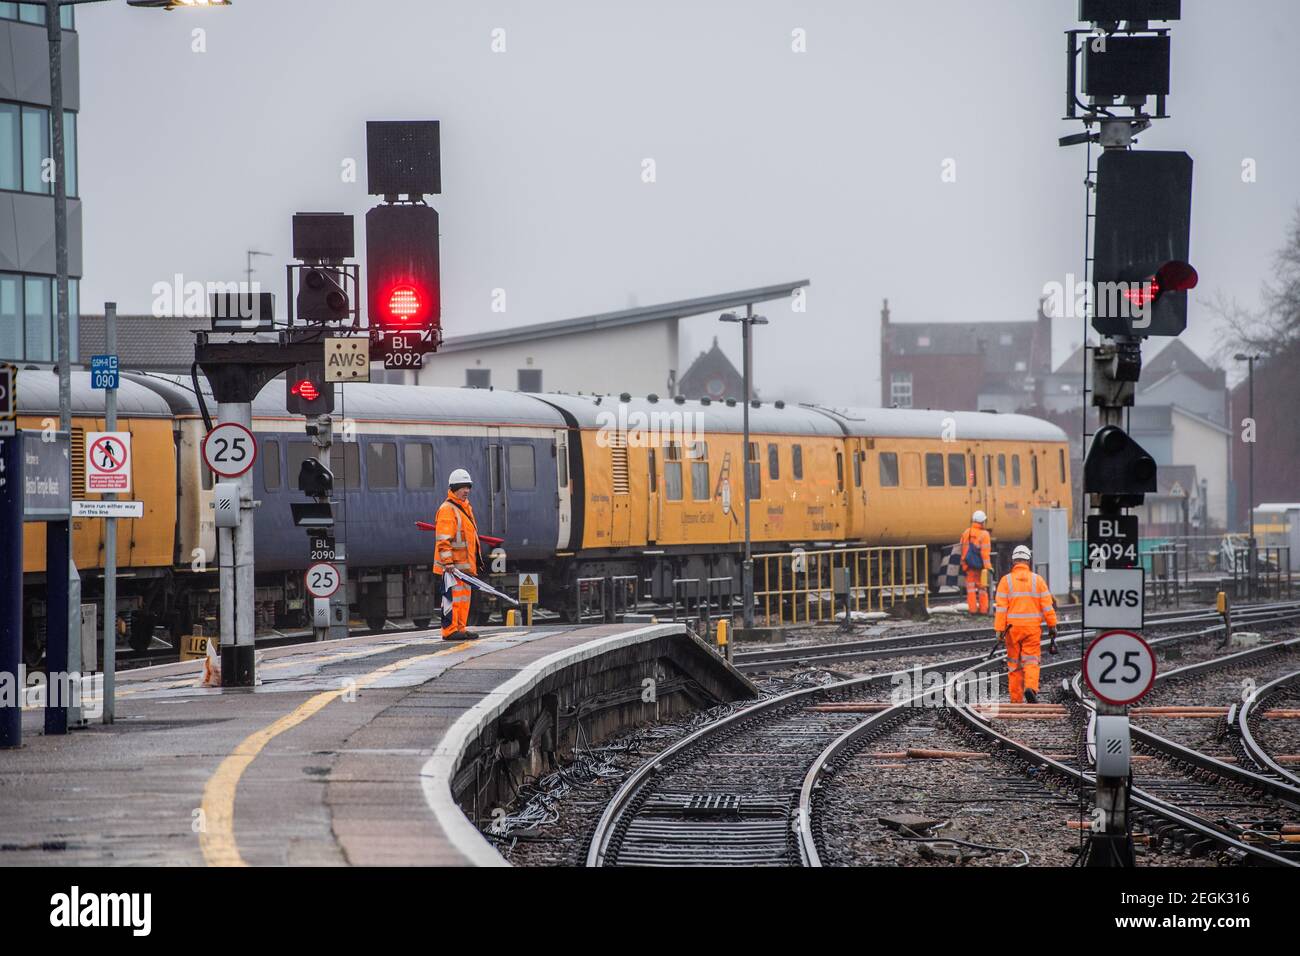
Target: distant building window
(900, 389)
(796, 462)
(271, 465)
(523, 467)
(478, 378)
(530, 380)
(888, 469)
(381, 465)
(1020, 366)
(957, 470)
(1005, 338)
(419, 466)
(923, 341)
(934, 469)
(34, 13)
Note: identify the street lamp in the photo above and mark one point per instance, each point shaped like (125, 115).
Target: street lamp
(747, 321)
(1250, 412)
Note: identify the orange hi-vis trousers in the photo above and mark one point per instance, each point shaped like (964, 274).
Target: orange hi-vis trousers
(455, 608)
(973, 588)
(1024, 653)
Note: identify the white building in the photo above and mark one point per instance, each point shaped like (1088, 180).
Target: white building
(633, 350)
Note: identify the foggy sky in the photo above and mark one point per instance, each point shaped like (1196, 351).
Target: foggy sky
(771, 165)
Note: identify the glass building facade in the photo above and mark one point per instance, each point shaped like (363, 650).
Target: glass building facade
(28, 329)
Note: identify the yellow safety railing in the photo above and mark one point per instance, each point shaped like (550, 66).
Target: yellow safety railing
(798, 587)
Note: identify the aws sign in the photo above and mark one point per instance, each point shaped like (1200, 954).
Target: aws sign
(1113, 598)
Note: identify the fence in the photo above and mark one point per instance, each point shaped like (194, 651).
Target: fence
(806, 587)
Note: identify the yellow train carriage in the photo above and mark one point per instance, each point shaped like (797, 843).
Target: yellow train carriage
(668, 474)
(143, 543)
(916, 475)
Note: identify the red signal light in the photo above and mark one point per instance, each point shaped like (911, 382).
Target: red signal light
(306, 389)
(404, 302)
(1173, 276)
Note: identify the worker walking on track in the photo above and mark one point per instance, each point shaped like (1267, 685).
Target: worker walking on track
(457, 548)
(977, 562)
(1024, 604)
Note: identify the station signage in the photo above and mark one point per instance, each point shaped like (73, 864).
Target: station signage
(1112, 598)
(47, 476)
(347, 359)
(108, 462)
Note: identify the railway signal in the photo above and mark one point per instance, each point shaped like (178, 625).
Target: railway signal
(306, 390)
(322, 296)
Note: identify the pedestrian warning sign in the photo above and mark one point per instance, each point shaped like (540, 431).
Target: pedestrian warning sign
(528, 588)
(108, 462)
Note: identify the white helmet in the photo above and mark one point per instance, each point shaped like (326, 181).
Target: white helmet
(979, 516)
(1022, 553)
(459, 477)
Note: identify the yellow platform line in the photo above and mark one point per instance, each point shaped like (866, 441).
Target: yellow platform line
(217, 839)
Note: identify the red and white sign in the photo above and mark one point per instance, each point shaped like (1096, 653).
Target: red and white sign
(1119, 667)
(229, 449)
(322, 579)
(108, 462)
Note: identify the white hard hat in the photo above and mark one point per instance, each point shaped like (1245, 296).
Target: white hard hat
(979, 516)
(459, 477)
(1022, 553)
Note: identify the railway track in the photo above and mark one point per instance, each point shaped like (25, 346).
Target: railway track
(740, 791)
(955, 641)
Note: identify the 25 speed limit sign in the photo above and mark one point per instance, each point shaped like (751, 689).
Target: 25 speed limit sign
(229, 449)
(322, 580)
(1119, 667)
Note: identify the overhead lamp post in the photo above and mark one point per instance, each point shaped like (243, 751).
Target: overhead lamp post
(747, 321)
(1250, 413)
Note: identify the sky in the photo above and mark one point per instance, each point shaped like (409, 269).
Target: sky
(908, 151)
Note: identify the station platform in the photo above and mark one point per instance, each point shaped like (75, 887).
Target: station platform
(364, 751)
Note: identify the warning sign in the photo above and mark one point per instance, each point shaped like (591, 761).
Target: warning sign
(108, 462)
(528, 588)
(347, 359)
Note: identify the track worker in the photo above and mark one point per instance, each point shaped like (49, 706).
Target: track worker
(1024, 604)
(977, 563)
(457, 547)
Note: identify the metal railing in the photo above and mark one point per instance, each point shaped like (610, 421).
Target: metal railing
(799, 587)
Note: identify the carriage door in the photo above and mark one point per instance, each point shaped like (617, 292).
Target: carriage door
(564, 493)
(652, 479)
(621, 499)
(496, 484)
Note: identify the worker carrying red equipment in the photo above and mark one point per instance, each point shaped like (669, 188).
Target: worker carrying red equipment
(977, 563)
(1024, 604)
(457, 549)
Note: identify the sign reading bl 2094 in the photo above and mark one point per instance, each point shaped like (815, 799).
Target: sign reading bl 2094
(1112, 541)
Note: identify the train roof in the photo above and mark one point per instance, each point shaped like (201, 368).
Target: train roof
(38, 394)
(926, 423)
(597, 411)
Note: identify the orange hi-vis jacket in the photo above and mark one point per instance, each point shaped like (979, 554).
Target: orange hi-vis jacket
(457, 536)
(982, 541)
(1023, 601)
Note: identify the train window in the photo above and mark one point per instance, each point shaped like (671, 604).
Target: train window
(957, 470)
(934, 469)
(1061, 453)
(796, 462)
(562, 462)
(698, 452)
(755, 470)
(295, 453)
(271, 465)
(1015, 469)
(381, 465)
(1002, 469)
(839, 470)
(858, 458)
(494, 468)
(654, 474)
(1033, 470)
(523, 467)
(351, 466)
(419, 466)
(988, 471)
(888, 469)
(673, 472)
(773, 462)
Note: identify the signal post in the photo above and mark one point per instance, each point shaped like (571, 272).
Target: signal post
(1139, 282)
